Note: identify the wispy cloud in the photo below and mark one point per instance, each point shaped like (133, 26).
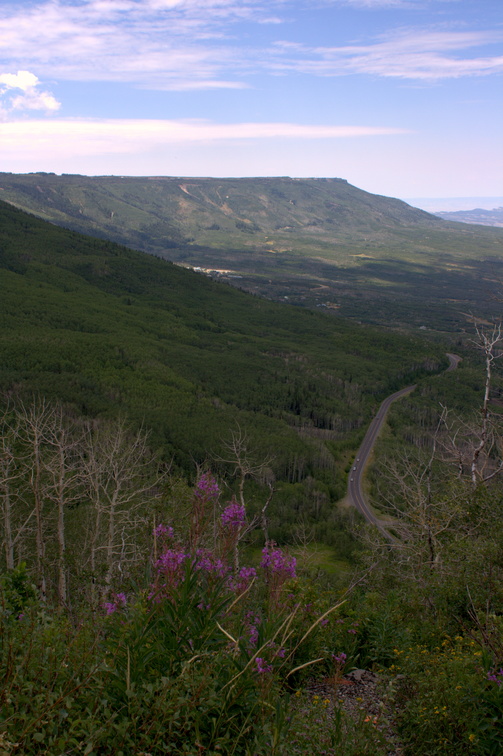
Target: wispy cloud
(405, 54)
(94, 137)
(153, 43)
(189, 44)
(377, 4)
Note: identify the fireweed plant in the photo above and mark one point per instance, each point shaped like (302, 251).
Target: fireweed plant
(202, 660)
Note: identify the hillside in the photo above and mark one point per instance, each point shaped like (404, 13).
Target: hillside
(315, 242)
(108, 330)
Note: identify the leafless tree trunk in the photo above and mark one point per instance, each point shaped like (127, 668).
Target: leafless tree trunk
(120, 472)
(487, 343)
(63, 485)
(244, 466)
(35, 428)
(475, 447)
(7, 477)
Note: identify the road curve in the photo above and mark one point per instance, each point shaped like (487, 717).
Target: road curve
(355, 489)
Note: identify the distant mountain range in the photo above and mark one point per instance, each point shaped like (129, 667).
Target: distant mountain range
(478, 215)
(314, 242)
(453, 204)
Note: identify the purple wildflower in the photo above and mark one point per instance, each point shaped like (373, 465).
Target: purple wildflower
(207, 487)
(162, 530)
(261, 666)
(275, 562)
(233, 516)
(208, 562)
(170, 568)
(252, 622)
(171, 561)
(243, 579)
(119, 602)
(340, 659)
(496, 677)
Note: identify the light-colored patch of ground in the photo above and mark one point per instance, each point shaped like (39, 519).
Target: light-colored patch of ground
(477, 321)
(381, 282)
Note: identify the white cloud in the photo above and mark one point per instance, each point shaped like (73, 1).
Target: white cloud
(31, 99)
(154, 43)
(35, 101)
(22, 80)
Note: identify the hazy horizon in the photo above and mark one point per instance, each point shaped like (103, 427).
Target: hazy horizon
(454, 204)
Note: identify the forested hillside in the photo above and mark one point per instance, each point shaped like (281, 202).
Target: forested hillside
(106, 330)
(316, 242)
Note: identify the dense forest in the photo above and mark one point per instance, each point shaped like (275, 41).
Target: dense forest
(109, 332)
(178, 564)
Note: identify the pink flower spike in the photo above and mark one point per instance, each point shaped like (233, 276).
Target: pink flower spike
(162, 530)
(207, 487)
(261, 667)
(233, 516)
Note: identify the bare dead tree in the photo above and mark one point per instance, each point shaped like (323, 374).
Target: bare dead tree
(35, 423)
(422, 513)
(475, 446)
(9, 474)
(120, 473)
(486, 342)
(64, 484)
(244, 465)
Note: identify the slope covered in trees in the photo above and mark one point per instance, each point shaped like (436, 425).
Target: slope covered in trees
(317, 242)
(108, 330)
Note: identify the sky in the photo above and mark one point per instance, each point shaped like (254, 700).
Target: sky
(400, 97)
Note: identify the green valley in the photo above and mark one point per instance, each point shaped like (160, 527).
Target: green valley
(110, 331)
(314, 242)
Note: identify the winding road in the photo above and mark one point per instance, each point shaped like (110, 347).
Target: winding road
(355, 489)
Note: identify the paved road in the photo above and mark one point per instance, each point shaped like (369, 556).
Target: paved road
(355, 490)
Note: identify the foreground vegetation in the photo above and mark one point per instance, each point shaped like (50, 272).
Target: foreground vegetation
(186, 651)
(133, 621)
(185, 648)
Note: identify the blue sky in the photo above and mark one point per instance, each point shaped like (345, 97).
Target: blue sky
(400, 97)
